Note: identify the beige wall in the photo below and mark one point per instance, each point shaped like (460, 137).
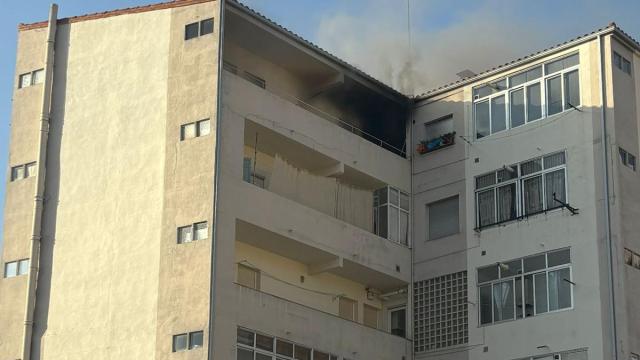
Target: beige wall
(19, 204)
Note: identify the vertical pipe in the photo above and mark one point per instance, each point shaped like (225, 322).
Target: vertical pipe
(216, 182)
(36, 224)
(607, 206)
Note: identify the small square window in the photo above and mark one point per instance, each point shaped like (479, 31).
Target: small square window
(179, 342)
(245, 337)
(204, 127)
(188, 131)
(23, 267)
(191, 31)
(17, 173)
(30, 170)
(201, 230)
(37, 77)
(10, 269)
(25, 80)
(626, 66)
(206, 26)
(195, 340)
(284, 348)
(264, 342)
(185, 234)
(617, 60)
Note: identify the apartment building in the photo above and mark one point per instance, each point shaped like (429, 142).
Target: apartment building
(190, 180)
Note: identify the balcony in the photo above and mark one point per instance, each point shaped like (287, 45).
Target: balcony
(280, 317)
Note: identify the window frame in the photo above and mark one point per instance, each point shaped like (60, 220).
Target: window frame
(32, 78)
(188, 345)
(519, 180)
(378, 205)
(522, 274)
(393, 310)
(273, 354)
(192, 226)
(197, 129)
(17, 264)
(509, 89)
(16, 175)
(199, 28)
(429, 210)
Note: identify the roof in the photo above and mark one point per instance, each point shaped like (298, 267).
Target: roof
(611, 28)
(237, 4)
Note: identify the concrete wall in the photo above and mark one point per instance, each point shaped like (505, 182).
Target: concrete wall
(19, 201)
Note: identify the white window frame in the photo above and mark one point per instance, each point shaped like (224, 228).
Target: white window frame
(506, 92)
(189, 345)
(180, 241)
(256, 350)
(546, 270)
(197, 126)
(519, 181)
(377, 205)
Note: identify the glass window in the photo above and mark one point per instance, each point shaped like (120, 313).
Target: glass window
(179, 342)
(498, 114)
(528, 296)
(195, 340)
(302, 353)
(38, 77)
(554, 160)
(23, 267)
(517, 108)
(191, 31)
(511, 268)
(533, 263)
(393, 224)
(507, 202)
(206, 27)
(559, 289)
(30, 170)
(554, 184)
(486, 207)
(188, 131)
(185, 234)
(554, 95)
(559, 257)
(485, 180)
(617, 60)
(519, 299)
(571, 89)
(532, 195)
(245, 337)
(540, 284)
(10, 269)
(17, 173)
(534, 102)
(260, 356)
(488, 273)
(204, 127)
(485, 305)
(25, 80)
(626, 66)
(398, 322)
(531, 166)
(201, 230)
(503, 301)
(518, 79)
(443, 218)
(264, 342)
(482, 120)
(553, 66)
(284, 348)
(244, 354)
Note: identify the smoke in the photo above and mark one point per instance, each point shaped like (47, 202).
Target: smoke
(446, 39)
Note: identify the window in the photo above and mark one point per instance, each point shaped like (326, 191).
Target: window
(189, 233)
(398, 321)
(250, 175)
(632, 258)
(438, 134)
(517, 100)
(443, 218)
(254, 79)
(371, 316)
(391, 214)
(521, 190)
(525, 287)
(440, 312)
(23, 171)
(255, 346)
(16, 268)
(621, 63)
(348, 309)
(193, 30)
(31, 78)
(249, 277)
(195, 129)
(627, 159)
(187, 341)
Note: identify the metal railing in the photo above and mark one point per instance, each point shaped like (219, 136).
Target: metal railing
(331, 118)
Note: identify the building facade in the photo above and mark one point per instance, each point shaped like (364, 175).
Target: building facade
(190, 180)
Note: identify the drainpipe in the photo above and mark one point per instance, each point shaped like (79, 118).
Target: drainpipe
(36, 224)
(216, 182)
(605, 171)
(410, 304)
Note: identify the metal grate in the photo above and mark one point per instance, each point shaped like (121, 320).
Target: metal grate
(441, 312)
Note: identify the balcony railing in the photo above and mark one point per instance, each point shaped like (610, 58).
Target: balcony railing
(320, 113)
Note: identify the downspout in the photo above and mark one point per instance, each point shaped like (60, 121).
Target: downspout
(36, 224)
(410, 304)
(605, 170)
(216, 182)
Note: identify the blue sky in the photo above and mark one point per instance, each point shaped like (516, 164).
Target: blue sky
(447, 35)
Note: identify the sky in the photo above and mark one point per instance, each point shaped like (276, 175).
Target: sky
(445, 37)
